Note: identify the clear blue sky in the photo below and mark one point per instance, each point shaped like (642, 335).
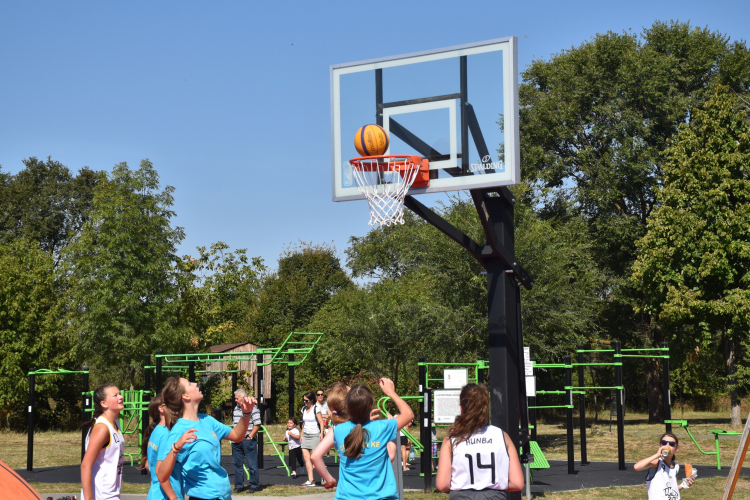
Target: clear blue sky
(230, 100)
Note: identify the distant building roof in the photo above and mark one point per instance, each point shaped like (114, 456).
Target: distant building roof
(226, 347)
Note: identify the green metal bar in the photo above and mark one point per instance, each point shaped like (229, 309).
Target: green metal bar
(613, 387)
(643, 356)
(684, 425)
(551, 365)
(61, 371)
(646, 349)
(447, 364)
(597, 364)
(551, 392)
(277, 453)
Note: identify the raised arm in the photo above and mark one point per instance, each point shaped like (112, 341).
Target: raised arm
(317, 459)
(406, 414)
(240, 430)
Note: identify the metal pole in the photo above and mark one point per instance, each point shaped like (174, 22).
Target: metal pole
(425, 428)
(158, 372)
(532, 411)
(30, 445)
(191, 368)
(261, 407)
(620, 409)
(480, 372)
(291, 383)
(379, 97)
(85, 406)
(667, 393)
(569, 413)
(464, 118)
(582, 407)
(234, 388)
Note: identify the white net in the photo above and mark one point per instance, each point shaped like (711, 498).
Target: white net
(385, 182)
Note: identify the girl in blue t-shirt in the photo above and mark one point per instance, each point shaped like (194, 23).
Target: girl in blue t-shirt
(365, 471)
(154, 438)
(195, 441)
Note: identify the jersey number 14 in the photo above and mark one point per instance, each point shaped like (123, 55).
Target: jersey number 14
(480, 465)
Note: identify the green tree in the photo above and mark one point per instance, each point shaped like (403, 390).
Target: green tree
(45, 203)
(120, 271)
(695, 259)
(594, 120)
(31, 331)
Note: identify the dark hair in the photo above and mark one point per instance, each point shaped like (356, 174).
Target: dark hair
(309, 396)
(293, 419)
(153, 413)
(100, 394)
(173, 405)
(337, 403)
(359, 403)
(475, 413)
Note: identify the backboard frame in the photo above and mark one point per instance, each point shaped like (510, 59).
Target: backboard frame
(463, 178)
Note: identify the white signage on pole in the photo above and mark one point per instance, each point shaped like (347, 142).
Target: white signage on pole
(528, 366)
(530, 387)
(455, 378)
(446, 405)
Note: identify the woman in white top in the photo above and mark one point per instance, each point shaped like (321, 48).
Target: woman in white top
(312, 433)
(661, 479)
(477, 461)
(101, 467)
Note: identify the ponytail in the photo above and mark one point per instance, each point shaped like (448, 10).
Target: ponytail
(100, 394)
(359, 403)
(155, 416)
(172, 400)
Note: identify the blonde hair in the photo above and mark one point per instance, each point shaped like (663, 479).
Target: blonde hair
(337, 403)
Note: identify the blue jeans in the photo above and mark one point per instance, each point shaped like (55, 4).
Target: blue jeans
(247, 450)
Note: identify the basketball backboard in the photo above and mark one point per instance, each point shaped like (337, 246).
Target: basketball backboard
(456, 106)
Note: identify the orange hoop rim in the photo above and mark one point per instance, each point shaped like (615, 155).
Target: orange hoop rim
(395, 163)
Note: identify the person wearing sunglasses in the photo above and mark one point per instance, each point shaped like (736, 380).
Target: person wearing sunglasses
(312, 433)
(321, 406)
(661, 479)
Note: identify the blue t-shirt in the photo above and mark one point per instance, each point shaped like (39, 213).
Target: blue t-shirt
(369, 477)
(157, 442)
(202, 473)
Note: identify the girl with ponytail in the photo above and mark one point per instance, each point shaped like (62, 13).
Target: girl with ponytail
(477, 461)
(101, 467)
(194, 443)
(365, 472)
(154, 438)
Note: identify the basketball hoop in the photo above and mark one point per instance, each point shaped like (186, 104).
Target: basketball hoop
(385, 180)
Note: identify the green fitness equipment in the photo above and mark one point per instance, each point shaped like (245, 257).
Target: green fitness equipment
(32, 382)
(716, 432)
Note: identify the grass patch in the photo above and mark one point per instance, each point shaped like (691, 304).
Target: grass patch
(142, 489)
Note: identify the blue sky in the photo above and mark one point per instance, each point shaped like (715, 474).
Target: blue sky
(230, 100)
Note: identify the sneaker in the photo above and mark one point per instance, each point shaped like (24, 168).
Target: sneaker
(308, 484)
(322, 482)
(239, 489)
(294, 474)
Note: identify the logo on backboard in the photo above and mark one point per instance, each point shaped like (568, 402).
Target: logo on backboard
(486, 164)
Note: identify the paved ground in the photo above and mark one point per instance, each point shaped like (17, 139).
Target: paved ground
(556, 478)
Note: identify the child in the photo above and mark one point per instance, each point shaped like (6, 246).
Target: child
(661, 480)
(365, 471)
(477, 460)
(101, 467)
(295, 451)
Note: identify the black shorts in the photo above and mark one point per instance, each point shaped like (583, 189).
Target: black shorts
(404, 441)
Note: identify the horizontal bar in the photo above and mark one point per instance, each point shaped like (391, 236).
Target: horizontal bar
(552, 365)
(554, 406)
(642, 356)
(614, 387)
(551, 392)
(446, 364)
(596, 350)
(419, 101)
(61, 371)
(597, 364)
(646, 349)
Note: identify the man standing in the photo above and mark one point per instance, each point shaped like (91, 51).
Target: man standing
(247, 450)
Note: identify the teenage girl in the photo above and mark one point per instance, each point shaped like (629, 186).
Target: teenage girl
(365, 472)
(155, 437)
(661, 480)
(194, 441)
(312, 433)
(292, 436)
(101, 467)
(477, 460)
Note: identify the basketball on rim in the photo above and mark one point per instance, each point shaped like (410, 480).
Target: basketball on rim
(371, 140)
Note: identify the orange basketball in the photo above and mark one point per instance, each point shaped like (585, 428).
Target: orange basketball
(14, 487)
(371, 140)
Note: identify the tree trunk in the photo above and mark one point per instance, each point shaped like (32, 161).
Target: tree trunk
(131, 376)
(731, 356)
(654, 390)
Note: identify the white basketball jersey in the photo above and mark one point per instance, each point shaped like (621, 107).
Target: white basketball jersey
(106, 473)
(481, 462)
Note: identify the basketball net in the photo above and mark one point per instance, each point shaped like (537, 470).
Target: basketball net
(385, 180)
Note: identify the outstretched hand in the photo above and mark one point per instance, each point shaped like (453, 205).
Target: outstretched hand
(247, 404)
(388, 387)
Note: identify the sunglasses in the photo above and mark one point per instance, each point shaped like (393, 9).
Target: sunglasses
(306, 400)
(320, 394)
(664, 442)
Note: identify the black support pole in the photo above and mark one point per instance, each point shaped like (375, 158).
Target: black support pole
(667, 392)
(191, 368)
(261, 407)
(379, 96)
(291, 385)
(480, 373)
(157, 375)
(425, 431)
(464, 118)
(532, 411)
(84, 414)
(30, 445)
(620, 409)
(582, 407)
(569, 412)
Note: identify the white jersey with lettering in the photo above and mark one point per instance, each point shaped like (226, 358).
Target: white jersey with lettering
(481, 462)
(106, 473)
